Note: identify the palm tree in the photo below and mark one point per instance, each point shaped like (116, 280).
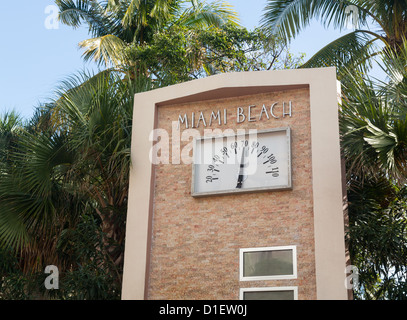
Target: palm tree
(376, 237)
(389, 18)
(373, 123)
(114, 24)
(68, 171)
(374, 119)
(97, 112)
(33, 200)
(10, 126)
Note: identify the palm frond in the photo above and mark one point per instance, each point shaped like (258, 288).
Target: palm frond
(202, 14)
(132, 7)
(74, 13)
(373, 122)
(286, 18)
(351, 51)
(394, 65)
(30, 190)
(106, 49)
(10, 121)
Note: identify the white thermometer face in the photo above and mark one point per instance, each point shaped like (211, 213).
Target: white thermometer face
(242, 163)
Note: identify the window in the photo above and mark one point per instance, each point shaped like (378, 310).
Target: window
(270, 263)
(270, 293)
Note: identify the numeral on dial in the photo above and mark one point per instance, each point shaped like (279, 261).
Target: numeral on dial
(210, 179)
(274, 172)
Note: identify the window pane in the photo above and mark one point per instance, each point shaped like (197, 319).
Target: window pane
(268, 263)
(269, 295)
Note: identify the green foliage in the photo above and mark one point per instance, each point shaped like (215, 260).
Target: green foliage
(10, 125)
(374, 123)
(373, 127)
(12, 281)
(63, 194)
(377, 241)
(114, 24)
(93, 275)
(89, 282)
(180, 53)
(86, 270)
(354, 50)
(14, 287)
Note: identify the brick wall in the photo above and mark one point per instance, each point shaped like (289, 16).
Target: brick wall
(195, 243)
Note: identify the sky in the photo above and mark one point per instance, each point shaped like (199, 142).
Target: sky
(37, 52)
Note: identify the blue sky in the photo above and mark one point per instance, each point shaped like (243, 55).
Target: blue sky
(35, 58)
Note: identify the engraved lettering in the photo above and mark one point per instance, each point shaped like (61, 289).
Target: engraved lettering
(272, 110)
(249, 117)
(240, 115)
(285, 113)
(183, 120)
(201, 118)
(214, 117)
(264, 110)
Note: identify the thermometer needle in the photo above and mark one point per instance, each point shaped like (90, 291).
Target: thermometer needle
(241, 168)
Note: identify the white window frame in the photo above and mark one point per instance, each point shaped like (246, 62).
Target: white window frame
(259, 289)
(276, 277)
